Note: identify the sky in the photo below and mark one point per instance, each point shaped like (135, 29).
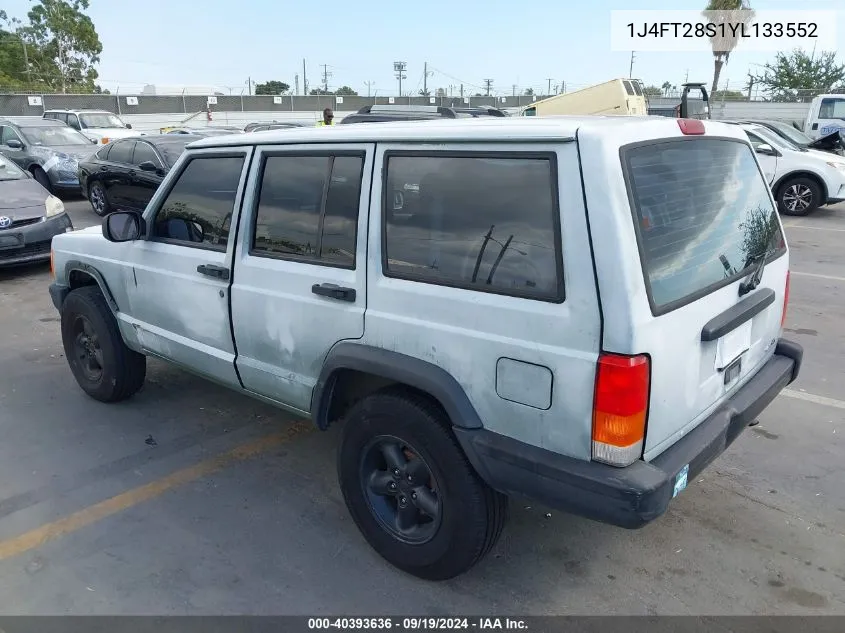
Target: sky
(225, 44)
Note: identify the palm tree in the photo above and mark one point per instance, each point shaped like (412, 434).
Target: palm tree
(666, 87)
(725, 11)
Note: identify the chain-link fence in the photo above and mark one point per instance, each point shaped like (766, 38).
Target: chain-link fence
(36, 104)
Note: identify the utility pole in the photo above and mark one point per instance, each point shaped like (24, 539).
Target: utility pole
(426, 75)
(686, 76)
(369, 85)
(631, 67)
(399, 72)
(487, 84)
(750, 85)
(326, 75)
(304, 79)
(249, 86)
(462, 92)
(514, 90)
(296, 83)
(549, 90)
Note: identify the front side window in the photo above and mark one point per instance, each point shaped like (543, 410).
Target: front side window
(7, 134)
(101, 119)
(308, 208)
(482, 222)
(832, 108)
(198, 208)
(73, 121)
(703, 214)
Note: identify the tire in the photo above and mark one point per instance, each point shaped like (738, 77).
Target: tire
(90, 333)
(99, 199)
(470, 514)
(41, 178)
(799, 196)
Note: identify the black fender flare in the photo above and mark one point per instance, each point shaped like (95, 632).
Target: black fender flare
(414, 372)
(74, 264)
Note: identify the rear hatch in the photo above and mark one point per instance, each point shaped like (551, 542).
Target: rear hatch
(704, 220)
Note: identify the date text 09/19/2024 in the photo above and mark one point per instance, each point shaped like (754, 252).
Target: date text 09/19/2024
(417, 623)
(723, 30)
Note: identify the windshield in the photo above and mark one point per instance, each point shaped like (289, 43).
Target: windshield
(9, 171)
(776, 141)
(171, 150)
(100, 119)
(703, 214)
(54, 135)
(796, 136)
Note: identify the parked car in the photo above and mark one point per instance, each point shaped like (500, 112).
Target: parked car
(100, 126)
(825, 115)
(49, 150)
(833, 143)
(443, 331)
(801, 179)
(249, 127)
(126, 173)
(202, 131)
(276, 126)
(29, 217)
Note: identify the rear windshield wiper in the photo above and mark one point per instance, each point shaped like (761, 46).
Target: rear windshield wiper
(750, 283)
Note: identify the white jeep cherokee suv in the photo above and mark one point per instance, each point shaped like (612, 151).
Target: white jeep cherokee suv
(586, 311)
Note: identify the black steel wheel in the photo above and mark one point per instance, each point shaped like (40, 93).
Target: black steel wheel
(104, 367)
(410, 488)
(400, 489)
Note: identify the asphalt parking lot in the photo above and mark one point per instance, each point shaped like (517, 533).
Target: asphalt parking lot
(188, 499)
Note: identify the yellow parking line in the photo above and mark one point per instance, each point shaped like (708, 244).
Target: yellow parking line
(40, 535)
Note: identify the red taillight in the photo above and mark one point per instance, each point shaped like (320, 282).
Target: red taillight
(691, 126)
(785, 300)
(619, 408)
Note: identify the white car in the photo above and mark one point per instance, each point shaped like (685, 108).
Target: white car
(825, 116)
(801, 179)
(98, 125)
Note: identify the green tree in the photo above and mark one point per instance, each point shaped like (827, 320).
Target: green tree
(272, 88)
(66, 38)
(320, 91)
(666, 86)
(346, 91)
(725, 12)
(727, 95)
(425, 93)
(797, 76)
(652, 91)
(529, 92)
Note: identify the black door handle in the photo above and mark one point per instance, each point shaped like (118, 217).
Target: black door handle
(334, 291)
(220, 272)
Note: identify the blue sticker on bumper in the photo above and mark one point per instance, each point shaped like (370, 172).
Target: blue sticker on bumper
(680, 481)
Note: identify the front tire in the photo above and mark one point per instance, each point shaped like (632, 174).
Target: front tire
(799, 196)
(98, 199)
(42, 179)
(105, 368)
(411, 490)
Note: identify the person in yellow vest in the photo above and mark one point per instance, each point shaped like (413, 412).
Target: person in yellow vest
(328, 118)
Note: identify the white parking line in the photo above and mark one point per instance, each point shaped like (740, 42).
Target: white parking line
(812, 228)
(811, 397)
(833, 277)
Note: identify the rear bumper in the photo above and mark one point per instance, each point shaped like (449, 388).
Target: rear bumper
(632, 496)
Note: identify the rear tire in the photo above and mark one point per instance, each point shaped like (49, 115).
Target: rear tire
(456, 518)
(42, 179)
(105, 368)
(799, 196)
(99, 199)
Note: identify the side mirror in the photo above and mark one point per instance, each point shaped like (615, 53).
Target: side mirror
(128, 126)
(123, 226)
(148, 165)
(765, 148)
(93, 141)
(14, 143)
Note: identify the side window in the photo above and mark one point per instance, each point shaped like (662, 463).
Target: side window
(7, 134)
(144, 152)
(60, 116)
(198, 208)
(755, 140)
(832, 108)
(73, 121)
(488, 223)
(103, 154)
(121, 152)
(628, 87)
(308, 208)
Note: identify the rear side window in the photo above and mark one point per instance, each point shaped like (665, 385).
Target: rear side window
(143, 153)
(308, 208)
(628, 88)
(480, 222)
(703, 216)
(121, 152)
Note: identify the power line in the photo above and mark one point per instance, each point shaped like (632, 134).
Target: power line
(369, 85)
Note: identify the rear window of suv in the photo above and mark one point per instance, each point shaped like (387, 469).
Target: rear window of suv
(703, 216)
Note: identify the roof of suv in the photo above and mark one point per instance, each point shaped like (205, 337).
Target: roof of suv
(30, 122)
(552, 129)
